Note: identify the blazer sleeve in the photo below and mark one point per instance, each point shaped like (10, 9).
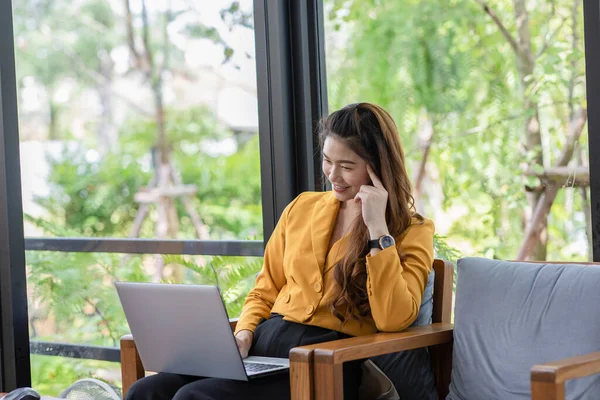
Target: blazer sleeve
(269, 281)
(395, 288)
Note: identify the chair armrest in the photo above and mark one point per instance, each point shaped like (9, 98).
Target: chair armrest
(301, 373)
(131, 364)
(233, 323)
(329, 357)
(359, 347)
(548, 380)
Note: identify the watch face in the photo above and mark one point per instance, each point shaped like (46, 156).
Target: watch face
(386, 241)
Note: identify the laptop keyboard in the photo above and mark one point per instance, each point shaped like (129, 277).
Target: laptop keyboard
(258, 367)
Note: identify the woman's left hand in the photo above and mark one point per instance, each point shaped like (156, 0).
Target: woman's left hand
(373, 201)
(244, 341)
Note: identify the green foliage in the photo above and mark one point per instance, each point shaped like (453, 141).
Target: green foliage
(77, 291)
(96, 198)
(402, 56)
(447, 62)
(235, 16)
(229, 192)
(93, 198)
(57, 42)
(51, 375)
(234, 276)
(443, 250)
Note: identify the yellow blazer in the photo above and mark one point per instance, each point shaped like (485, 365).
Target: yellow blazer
(297, 279)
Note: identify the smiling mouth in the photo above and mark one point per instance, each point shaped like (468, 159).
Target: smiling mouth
(340, 188)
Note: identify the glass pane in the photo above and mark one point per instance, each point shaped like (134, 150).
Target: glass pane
(488, 115)
(51, 375)
(146, 129)
(72, 299)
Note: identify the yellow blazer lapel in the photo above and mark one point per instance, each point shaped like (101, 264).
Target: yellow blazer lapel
(336, 253)
(322, 223)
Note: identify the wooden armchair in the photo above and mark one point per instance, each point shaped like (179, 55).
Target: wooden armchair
(324, 361)
(303, 376)
(548, 380)
(316, 370)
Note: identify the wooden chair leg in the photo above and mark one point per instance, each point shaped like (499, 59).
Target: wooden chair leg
(301, 374)
(131, 364)
(328, 376)
(547, 390)
(441, 363)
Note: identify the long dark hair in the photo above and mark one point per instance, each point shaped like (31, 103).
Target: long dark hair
(370, 132)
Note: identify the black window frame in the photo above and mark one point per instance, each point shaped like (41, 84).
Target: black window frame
(591, 19)
(14, 331)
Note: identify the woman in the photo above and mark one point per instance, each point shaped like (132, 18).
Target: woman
(352, 261)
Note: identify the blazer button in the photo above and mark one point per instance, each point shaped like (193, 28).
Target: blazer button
(318, 287)
(286, 299)
(310, 309)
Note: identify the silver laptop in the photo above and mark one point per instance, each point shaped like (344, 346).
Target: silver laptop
(184, 329)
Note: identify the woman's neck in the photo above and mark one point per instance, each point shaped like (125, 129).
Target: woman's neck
(349, 206)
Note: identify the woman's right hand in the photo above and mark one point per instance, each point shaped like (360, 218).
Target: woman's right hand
(244, 341)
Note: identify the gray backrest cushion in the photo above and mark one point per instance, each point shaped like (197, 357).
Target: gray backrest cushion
(426, 310)
(510, 316)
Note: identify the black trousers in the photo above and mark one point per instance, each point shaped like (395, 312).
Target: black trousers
(272, 338)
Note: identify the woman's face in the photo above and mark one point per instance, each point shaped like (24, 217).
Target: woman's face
(345, 169)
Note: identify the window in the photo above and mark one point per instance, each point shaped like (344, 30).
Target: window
(493, 121)
(137, 120)
(142, 129)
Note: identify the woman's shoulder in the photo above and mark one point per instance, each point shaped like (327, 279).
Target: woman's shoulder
(419, 232)
(418, 219)
(315, 196)
(421, 225)
(306, 202)
(309, 199)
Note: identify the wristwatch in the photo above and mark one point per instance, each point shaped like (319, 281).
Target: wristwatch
(383, 242)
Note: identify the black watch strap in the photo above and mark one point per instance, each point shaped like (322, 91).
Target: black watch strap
(383, 242)
(374, 244)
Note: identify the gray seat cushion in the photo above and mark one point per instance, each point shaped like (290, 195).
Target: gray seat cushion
(510, 316)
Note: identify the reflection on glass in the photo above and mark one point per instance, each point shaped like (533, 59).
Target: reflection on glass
(493, 119)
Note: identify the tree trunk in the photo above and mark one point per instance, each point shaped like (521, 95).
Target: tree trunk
(532, 138)
(167, 224)
(162, 144)
(426, 133)
(201, 229)
(540, 213)
(532, 143)
(53, 116)
(162, 229)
